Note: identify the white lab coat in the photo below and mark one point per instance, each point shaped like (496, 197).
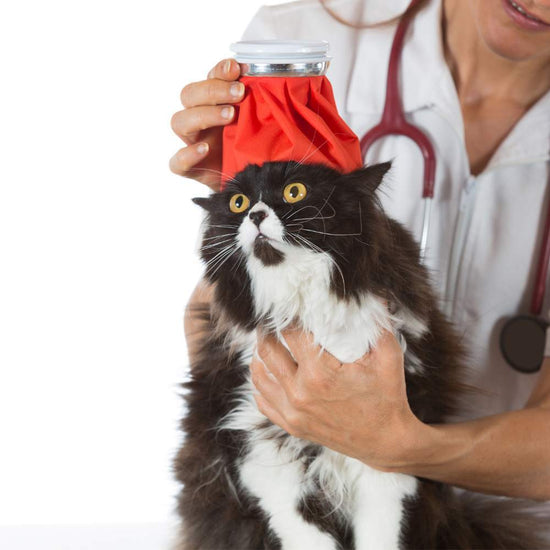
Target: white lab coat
(485, 230)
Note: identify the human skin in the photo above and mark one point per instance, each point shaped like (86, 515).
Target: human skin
(499, 69)
(360, 409)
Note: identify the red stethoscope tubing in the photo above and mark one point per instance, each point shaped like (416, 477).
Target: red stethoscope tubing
(542, 268)
(393, 122)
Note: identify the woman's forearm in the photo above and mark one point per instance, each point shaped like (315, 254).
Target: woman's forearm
(505, 454)
(194, 323)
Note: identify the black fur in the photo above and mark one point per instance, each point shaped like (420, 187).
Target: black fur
(342, 216)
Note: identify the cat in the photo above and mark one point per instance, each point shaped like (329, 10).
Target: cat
(305, 245)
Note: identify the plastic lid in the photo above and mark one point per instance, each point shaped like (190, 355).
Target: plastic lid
(280, 51)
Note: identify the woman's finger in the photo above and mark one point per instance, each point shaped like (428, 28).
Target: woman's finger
(268, 410)
(211, 92)
(183, 162)
(265, 382)
(386, 352)
(309, 354)
(189, 123)
(226, 69)
(277, 359)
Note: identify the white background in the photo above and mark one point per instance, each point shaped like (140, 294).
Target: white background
(97, 255)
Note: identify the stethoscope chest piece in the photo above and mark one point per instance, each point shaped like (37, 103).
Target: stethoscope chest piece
(522, 341)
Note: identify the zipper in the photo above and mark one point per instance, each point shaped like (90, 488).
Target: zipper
(464, 218)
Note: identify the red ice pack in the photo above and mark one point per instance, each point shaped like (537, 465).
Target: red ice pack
(283, 119)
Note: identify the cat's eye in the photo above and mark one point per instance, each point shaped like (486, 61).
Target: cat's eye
(239, 203)
(294, 192)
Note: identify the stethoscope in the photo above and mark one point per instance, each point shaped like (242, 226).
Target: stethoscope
(523, 337)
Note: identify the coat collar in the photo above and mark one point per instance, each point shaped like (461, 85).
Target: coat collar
(426, 82)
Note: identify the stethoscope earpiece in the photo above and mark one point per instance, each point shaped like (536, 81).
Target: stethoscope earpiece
(522, 342)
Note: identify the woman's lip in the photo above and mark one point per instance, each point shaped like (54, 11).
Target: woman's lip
(523, 21)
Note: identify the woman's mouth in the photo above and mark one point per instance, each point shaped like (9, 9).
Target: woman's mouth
(523, 18)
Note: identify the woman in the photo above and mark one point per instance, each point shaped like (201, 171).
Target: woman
(476, 78)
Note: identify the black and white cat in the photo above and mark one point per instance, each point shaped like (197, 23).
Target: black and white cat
(287, 243)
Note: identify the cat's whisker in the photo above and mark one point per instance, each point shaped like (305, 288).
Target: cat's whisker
(311, 143)
(214, 268)
(319, 215)
(330, 248)
(240, 261)
(313, 218)
(341, 234)
(229, 177)
(328, 203)
(218, 236)
(311, 245)
(331, 234)
(235, 249)
(307, 156)
(219, 257)
(220, 253)
(293, 213)
(308, 243)
(212, 245)
(285, 216)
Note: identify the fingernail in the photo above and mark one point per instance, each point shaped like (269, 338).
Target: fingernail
(202, 148)
(237, 89)
(227, 66)
(227, 112)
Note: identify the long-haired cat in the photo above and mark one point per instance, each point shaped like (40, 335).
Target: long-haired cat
(287, 243)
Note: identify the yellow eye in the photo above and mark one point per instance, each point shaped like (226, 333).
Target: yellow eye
(239, 203)
(294, 192)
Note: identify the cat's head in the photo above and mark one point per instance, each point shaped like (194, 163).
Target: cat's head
(267, 211)
(267, 214)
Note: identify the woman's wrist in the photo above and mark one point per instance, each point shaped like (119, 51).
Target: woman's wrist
(426, 449)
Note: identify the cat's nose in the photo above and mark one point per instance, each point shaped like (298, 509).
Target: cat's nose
(258, 216)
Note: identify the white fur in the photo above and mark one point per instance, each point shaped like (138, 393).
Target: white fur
(379, 509)
(276, 477)
(414, 365)
(415, 326)
(298, 291)
(270, 226)
(370, 499)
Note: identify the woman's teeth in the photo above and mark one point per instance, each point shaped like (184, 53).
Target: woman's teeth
(523, 12)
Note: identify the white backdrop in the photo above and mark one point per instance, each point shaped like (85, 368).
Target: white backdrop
(97, 253)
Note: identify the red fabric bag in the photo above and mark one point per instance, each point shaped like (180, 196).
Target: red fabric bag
(291, 118)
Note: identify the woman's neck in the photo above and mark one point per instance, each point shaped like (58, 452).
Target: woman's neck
(478, 72)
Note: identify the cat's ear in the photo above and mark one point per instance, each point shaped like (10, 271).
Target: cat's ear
(369, 177)
(203, 202)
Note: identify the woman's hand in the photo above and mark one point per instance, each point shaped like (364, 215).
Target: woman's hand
(359, 409)
(207, 108)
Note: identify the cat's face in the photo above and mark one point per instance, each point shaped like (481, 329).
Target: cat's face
(268, 212)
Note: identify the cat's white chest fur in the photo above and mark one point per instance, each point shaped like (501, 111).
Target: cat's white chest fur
(298, 290)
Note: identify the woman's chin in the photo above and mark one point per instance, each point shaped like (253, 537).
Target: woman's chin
(513, 49)
(506, 39)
